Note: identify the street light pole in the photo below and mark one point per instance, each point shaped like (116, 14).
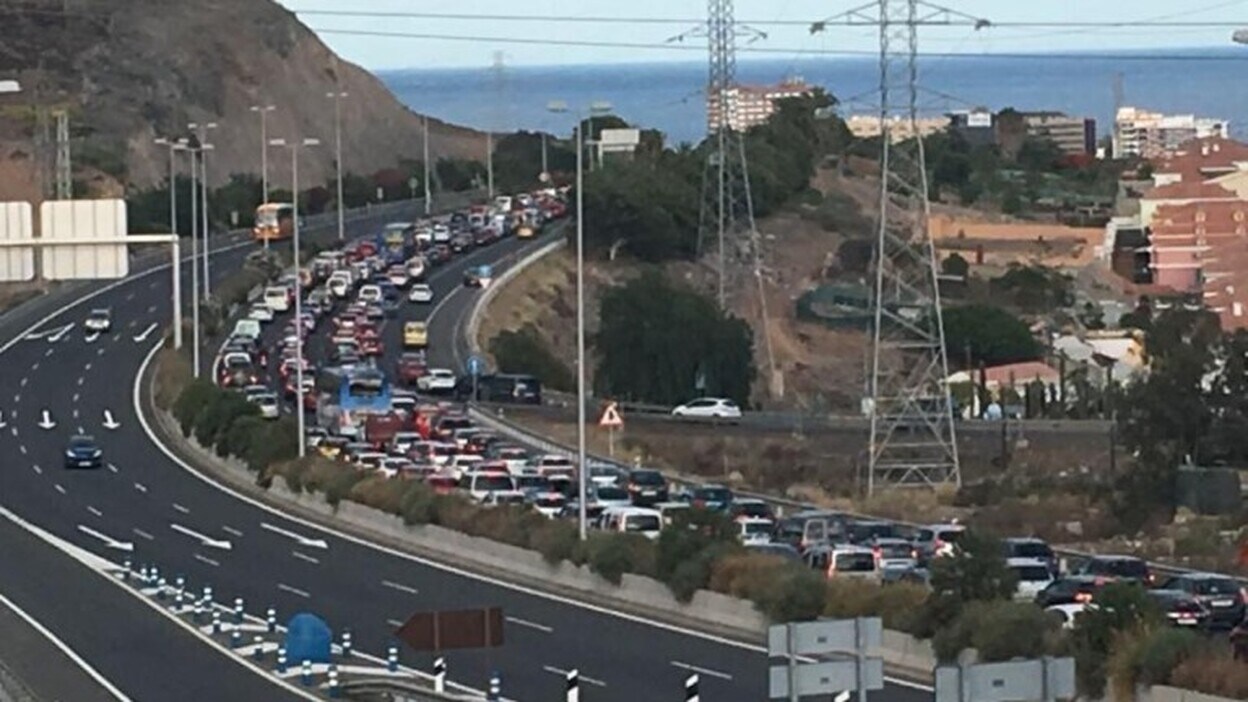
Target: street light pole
(201, 130)
(545, 168)
(424, 121)
(489, 164)
(194, 264)
(294, 147)
(175, 146)
(264, 150)
(337, 98)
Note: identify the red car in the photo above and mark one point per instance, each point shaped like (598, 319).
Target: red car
(411, 367)
(370, 343)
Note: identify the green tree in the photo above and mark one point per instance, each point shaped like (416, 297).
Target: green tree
(523, 351)
(974, 572)
(661, 343)
(1120, 607)
(993, 335)
(955, 265)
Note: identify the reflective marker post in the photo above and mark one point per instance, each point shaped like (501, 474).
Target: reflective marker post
(574, 686)
(691, 688)
(439, 674)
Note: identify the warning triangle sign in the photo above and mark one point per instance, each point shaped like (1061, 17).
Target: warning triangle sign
(611, 418)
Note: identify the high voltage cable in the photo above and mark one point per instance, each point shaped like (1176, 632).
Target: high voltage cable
(777, 50)
(1212, 24)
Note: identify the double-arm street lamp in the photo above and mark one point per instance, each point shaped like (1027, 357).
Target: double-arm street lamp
(337, 98)
(174, 146)
(582, 469)
(295, 147)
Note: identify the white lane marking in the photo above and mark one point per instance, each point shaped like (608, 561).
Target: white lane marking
(180, 508)
(400, 587)
(48, 353)
(34, 366)
(116, 337)
(65, 649)
(24, 381)
(22, 448)
(140, 487)
(94, 511)
(394, 623)
(75, 413)
(151, 309)
(46, 422)
(37, 469)
(109, 541)
(292, 590)
(305, 557)
(702, 671)
(205, 559)
(129, 297)
(81, 380)
(17, 397)
(299, 538)
(530, 625)
(136, 396)
(232, 531)
(90, 338)
(112, 468)
(87, 366)
(110, 423)
(142, 336)
(76, 396)
(580, 676)
(143, 534)
(59, 488)
(204, 540)
(99, 351)
(13, 430)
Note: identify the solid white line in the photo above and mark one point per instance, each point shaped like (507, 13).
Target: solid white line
(94, 511)
(703, 671)
(579, 676)
(292, 590)
(400, 587)
(232, 531)
(59, 488)
(304, 557)
(180, 508)
(205, 559)
(143, 534)
(65, 649)
(531, 625)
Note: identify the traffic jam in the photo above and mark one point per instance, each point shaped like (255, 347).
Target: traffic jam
(384, 408)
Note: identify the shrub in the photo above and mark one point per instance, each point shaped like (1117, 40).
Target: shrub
(556, 540)
(1147, 656)
(219, 412)
(999, 631)
(191, 402)
(239, 435)
(277, 441)
(524, 351)
(613, 555)
(341, 485)
(417, 505)
(896, 603)
(173, 375)
(1123, 607)
(798, 595)
(380, 493)
(1213, 674)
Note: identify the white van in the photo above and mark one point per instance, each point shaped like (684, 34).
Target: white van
(339, 284)
(632, 520)
(277, 298)
(249, 328)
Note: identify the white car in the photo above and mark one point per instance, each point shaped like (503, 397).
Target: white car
(370, 294)
(416, 268)
(481, 484)
(398, 277)
(436, 380)
(1033, 576)
(420, 292)
(277, 297)
(260, 313)
(709, 408)
(1067, 613)
(99, 321)
(269, 408)
(755, 530)
(441, 234)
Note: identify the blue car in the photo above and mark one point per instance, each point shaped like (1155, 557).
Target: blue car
(83, 452)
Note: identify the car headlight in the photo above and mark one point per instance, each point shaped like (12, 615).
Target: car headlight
(70, 454)
(97, 453)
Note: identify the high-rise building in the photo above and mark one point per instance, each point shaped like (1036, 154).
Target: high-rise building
(751, 105)
(1072, 135)
(1147, 134)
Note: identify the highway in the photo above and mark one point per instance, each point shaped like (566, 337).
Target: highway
(179, 521)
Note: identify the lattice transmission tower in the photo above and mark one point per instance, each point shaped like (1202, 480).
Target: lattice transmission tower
(912, 441)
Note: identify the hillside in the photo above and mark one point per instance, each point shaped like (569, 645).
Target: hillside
(129, 71)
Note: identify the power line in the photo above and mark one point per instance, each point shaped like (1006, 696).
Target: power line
(1060, 56)
(1056, 24)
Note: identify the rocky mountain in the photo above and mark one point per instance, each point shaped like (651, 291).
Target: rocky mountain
(129, 71)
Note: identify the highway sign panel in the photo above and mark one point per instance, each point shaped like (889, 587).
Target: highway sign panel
(825, 636)
(476, 365)
(611, 417)
(826, 678)
(81, 222)
(442, 631)
(1015, 681)
(17, 263)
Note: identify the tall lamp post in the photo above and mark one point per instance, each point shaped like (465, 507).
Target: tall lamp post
(191, 150)
(337, 98)
(263, 111)
(294, 147)
(582, 469)
(424, 122)
(174, 145)
(201, 132)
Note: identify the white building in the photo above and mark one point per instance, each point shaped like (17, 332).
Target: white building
(750, 105)
(1147, 134)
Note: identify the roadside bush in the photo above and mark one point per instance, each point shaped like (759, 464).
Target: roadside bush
(380, 493)
(220, 411)
(797, 595)
(417, 505)
(557, 541)
(1124, 607)
(238, 436)
(999, 631)
(896, 603)
(275, 442)
(191, 402)
(613, 555)
(524, 351)
(1148, 655)
(341, 485)
(1213, 674)
(173, 375)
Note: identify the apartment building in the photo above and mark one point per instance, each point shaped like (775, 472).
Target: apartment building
(1146, 134)
(1072, 135)
(751, 105)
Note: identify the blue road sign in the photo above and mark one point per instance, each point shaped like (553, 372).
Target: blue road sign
(476, 364)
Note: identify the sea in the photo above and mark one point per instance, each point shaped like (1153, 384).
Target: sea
(669, 96)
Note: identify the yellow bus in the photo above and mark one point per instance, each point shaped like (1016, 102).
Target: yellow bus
(274, 222)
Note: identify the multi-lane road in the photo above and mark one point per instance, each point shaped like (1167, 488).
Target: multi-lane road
(54, 384)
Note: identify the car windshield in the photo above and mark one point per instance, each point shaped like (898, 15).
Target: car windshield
(1033, 573)
(647, 477)
(1031, 549)
(1124, 568)
(642, 522)
(752, 509)
(865, 532)
(492, 482)
(551, 501)
(82, 442)
(612, 493)
(714, 494)
(756, 528)
(1216, 586)
(530, 482)
(855, 562)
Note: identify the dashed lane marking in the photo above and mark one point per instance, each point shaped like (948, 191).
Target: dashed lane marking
(94, 511)
(112, 468)
(22, 448)
(59, 488)
(34, 366)
(143, 534)
(180, 508)
(209, 561)
(293, 590)
(305, 557)
(37, 469)
(530, 625)
(24, 381)
(232, 531)
(400, 587)
(140, 487)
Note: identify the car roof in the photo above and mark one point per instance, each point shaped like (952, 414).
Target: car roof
(82, 438)
(1115, 557)
(1204, 576)
(1025, 562)
(1024, 540)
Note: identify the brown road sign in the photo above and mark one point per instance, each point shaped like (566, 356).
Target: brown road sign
(442, 631)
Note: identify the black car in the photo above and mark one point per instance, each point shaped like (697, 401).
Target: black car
(1074, 589)
(1030, 547)
(1127, 568)
(1226, 601)
(1180, 608)
(83, 452)
(646, 486)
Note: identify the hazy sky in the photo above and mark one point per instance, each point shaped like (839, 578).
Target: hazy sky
(787, 41)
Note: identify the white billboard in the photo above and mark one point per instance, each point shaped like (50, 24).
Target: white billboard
(619, 140)
(77, 223)
(17, 263)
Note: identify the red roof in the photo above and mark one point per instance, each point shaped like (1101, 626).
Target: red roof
(1189, 190)
(1203, 157)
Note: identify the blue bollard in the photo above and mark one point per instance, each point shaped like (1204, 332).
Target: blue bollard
(392, 659)
(238, 610)
(281, 659)
(496, 687)
(270, 618)
(257, 652)
(160, 589)
(236, 638)
(334, 691)
(126, 567)
(346, 644)
(216, 622)
(307, 672)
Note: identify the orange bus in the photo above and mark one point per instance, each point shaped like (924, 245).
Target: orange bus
(274, 222)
